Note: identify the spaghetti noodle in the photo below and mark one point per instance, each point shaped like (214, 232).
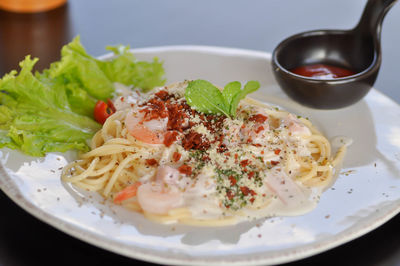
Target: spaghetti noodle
(158, 156)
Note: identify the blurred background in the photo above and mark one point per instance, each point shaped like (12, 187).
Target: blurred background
(256, 24)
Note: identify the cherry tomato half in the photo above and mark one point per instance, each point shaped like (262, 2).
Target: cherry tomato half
(103, 110)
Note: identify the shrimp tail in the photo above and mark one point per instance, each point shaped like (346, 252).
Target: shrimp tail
(127, 193)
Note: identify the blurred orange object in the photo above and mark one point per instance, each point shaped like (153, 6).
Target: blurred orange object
(30, 6)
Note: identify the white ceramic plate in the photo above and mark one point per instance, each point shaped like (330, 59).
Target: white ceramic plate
(361, 200)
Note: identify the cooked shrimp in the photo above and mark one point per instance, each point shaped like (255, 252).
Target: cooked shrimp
(259, 130)
(242, 133)
(167, 175)
(258, 133)
(233, 135)
(285, 188)
(154, 198)
(127, 193)
(295, 126)
(162, 195)
(151, 132)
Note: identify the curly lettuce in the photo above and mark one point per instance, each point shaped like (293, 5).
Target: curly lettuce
(53, 111)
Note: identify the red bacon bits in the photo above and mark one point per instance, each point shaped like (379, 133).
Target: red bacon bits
(244, 163)
(259, 129)
(194, 140)
(230, 195)
(251, 174)
(154, 109)
(164, 105)
(161, 107)
(206, 158)
(258, 118)
(170, 137)
(213, 122)
(151, 162)
(185, 169)
(176, 117)
(274, 162)
(277, 151)
(233, 180)
(222, 148)
(163, 95)
(176, 156)
(245, 190)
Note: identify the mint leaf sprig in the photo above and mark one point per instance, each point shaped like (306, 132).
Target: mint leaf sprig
(206, 98)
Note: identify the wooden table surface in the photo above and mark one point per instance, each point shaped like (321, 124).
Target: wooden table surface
(257, 24)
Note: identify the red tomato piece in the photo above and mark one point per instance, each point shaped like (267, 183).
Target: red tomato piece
(103, 110)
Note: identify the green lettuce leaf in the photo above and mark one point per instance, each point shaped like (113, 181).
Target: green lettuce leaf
(87, 79)
(80, 69)
(53, 110)
(37, 118)
(125, 69)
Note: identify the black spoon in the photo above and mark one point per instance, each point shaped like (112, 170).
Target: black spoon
(357, 49)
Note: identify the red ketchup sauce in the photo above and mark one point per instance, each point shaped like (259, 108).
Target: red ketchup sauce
(322, 71)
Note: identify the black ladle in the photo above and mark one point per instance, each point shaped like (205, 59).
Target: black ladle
(357, 49)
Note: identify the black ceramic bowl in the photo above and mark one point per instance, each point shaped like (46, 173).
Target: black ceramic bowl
(345, 49)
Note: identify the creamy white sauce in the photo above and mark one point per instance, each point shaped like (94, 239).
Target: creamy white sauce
(339, 141)
(283, 195)
(291, 199)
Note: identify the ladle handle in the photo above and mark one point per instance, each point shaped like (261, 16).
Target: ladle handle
(372, 17)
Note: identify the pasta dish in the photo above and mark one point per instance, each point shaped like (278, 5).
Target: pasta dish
(159, 156)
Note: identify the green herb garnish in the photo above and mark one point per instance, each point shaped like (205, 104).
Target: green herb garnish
(205, 97)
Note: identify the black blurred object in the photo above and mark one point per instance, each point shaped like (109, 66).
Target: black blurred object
(39, 34)
(358, 49)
